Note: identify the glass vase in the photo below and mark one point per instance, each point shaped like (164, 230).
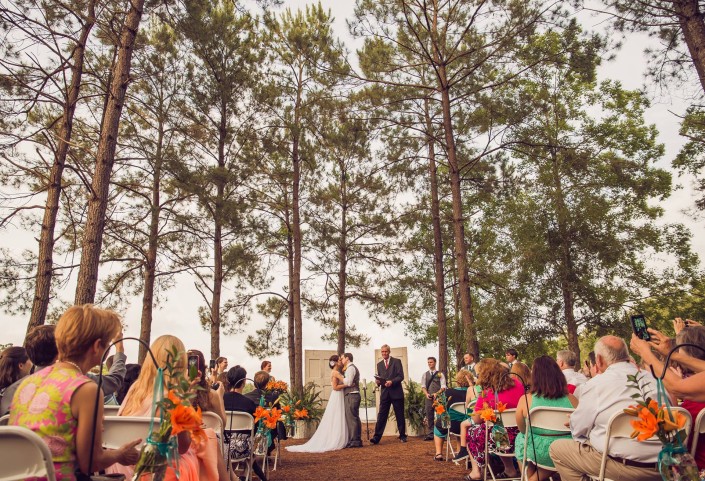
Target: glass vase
(676, 464)
(152, 464)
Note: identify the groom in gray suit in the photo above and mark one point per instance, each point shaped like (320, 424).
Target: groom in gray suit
(351, 390)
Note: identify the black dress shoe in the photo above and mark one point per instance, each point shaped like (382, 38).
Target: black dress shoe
(354, 445)
(429, 437)
(403, 440)
(374, 441)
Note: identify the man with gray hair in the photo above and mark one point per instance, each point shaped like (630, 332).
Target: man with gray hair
(628, 459)
(566, 361)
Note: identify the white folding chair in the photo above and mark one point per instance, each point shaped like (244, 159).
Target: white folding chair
(23, 455)
(4, 420)
(458, 407)
(118, 430)
(547, 418)
(698, 429)
(239, 421)
(213, 421)
(509, 420)
(110, 409)
(619, 426)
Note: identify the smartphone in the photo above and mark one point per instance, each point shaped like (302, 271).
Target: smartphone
(192, 367)
(639, 327)
(211, 364)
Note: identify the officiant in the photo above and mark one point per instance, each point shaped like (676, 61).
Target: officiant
(390, 375)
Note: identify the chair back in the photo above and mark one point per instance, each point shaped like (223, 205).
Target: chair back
(239, 421)
(619, 426)
(213, 421)
(509, 418)
(459, 407)
(111, 409)
(118, 430)
(698, 429)
(550, 418)
(4, 420)
(23, 455)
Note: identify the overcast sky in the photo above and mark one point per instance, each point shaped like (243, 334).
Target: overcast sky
(178, 314)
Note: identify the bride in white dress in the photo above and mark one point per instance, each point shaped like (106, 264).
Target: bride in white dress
(332, 432)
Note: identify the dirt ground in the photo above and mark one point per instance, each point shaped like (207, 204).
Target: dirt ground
(390, 460)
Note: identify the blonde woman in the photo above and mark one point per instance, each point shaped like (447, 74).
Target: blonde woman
(66, 397)
(138, 402)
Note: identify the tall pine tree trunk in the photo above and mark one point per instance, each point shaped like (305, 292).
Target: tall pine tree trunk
(567, 274)
(150, 270)
(342, 258)
(460, 246)
(291, 337)
(437, 247)
(45, 260)
(692, 24)
(105, 157)
(296, 226)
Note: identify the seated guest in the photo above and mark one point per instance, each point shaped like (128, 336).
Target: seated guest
(600, 398)
(694, 334)
(462, 393)
(132, 372)
(494, 378)
(521, 373)
(206, 398)
(15, 365)
(239, 442)
(58, 402)
(259, 393)
(548, 389)
(567, 361)
(138, 402)
(260, 396)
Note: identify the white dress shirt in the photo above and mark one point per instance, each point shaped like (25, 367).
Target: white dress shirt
(600, 398)
(350, 372)
(576, 378)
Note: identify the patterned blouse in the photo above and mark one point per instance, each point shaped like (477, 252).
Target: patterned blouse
(42, 403)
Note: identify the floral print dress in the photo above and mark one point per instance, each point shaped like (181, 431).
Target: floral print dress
(42, 403)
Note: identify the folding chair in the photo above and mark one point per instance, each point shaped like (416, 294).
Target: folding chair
(509, 421)
(213, 421)
(4, 420)
(239, 421)
(619, 426)
(118, 430)
(459, 407)
(110, 409)
(23, 455)
(698, 429)
(547, 418)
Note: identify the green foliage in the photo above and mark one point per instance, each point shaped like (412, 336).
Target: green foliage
(414, 405)
(309, 398)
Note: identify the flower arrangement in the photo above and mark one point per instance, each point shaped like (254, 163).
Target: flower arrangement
(499, 432)
(176, 415)
(675, 463)
(276, 386)
(440, 405)
(304, 406)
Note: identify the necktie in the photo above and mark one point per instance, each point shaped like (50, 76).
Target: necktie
(386, 363)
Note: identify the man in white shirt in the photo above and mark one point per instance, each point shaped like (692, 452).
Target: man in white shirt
(566, 361)
(469, 363)
(432, 382)
(600, 398)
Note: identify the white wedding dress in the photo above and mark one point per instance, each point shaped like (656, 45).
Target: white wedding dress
(332, 432)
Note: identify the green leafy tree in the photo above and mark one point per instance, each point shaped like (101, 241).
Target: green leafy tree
(583, 220)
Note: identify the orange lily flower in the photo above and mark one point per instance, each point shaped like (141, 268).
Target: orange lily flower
(646, 426)
(301, 413)
(440, 409)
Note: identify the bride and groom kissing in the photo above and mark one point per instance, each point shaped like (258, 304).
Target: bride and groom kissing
(340, 425)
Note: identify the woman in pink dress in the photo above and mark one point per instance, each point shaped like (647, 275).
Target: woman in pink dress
(58, 402)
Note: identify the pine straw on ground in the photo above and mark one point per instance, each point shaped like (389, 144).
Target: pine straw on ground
(390, 460)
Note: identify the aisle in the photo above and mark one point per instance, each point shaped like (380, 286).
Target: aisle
(391, 460)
